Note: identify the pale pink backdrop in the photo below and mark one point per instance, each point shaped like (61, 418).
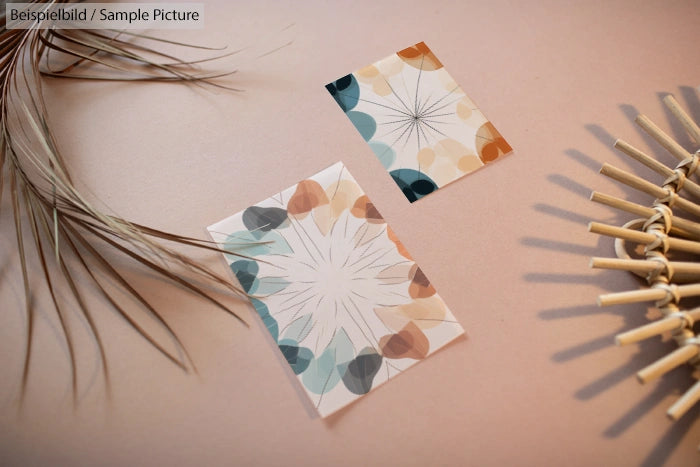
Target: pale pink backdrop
(538, 380)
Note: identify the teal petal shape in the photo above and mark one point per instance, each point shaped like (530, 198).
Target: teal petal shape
(257, 218)
(345, 91)
(413, 184)
(303, 360)
(384, 153)
(245, 272)
(244, 265)
(364, 123)
(299, 328)
(323, 373)
(298, 358)
(265, 286)
(343, 348)
(256, 243)
(267, 319)
(321, 376)
(360, 372)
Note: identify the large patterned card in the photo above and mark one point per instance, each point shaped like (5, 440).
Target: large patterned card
(417, 120)
(340, 295)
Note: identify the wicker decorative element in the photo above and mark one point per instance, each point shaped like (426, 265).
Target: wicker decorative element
(662, 233)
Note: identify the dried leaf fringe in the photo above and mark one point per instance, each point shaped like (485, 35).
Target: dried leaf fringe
(55, 225)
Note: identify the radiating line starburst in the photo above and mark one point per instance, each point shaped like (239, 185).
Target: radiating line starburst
(334, 281)
(422, 119)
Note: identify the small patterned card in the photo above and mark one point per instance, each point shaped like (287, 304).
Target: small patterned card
(416, 119)
(340, 295)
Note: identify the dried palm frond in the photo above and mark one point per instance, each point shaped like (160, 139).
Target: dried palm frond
(57, 228)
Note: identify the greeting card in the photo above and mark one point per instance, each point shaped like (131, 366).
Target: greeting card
(342, 298)
(416, 119)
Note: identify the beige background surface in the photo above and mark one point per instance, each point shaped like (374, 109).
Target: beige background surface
(538, 381)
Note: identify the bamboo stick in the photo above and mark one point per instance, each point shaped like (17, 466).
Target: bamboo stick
(643, 158)
(647, 187)
(680, 226)
(623, 233)
(622, 205)
(632, 265)
(626, 148)
(685, 402)
(649, 330)
(644, 295)
(690, 126)
(638, 183)
(654, 328)
(675, 271)
(675, 244)
(631, 296)
(667, 363)
(662, 138)
(680, 268)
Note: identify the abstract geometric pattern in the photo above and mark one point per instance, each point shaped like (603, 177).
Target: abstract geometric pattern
(418, 122)
(340, 295)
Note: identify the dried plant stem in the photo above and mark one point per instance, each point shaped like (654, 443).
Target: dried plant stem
(56, 227)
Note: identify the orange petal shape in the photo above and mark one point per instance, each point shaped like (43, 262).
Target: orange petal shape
(465, 108)
(410, 342)
(426, 313)
(367, 74)
(399, 246)
(490, 145)
(364, 209)
(381, 87)
(367, 233)
(420, 285)
(392, 317)
(342, 196)
(420, 56)
(323, 218)
(451, 149)
(307, 196)
(397, 273)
